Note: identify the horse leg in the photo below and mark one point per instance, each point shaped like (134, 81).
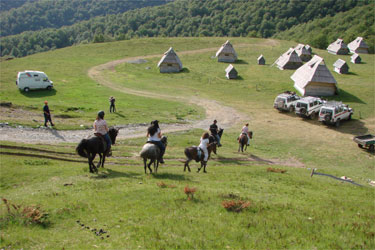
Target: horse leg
(100, 160)
(239, 147)
(92, 163)
(187, 165)
(245, 146)
(151, 161)
(204, 167)
(103, 160)
(157, 166)
(145, 162)
(199, 169)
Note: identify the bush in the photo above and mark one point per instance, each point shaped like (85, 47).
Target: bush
(235, 205)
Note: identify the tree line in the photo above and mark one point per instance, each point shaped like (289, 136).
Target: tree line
(255, 18)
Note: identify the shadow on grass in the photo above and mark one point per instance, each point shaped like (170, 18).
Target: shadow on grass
(240, 62)
(177, 177)
(185, 70)
(351, 73)
(114, 174)
(118, 114)
(38, 93)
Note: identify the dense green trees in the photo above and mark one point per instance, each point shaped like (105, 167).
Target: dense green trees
(255, 18)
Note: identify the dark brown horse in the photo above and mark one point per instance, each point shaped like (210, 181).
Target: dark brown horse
(242, 141)
(192, 154)
(88, 148)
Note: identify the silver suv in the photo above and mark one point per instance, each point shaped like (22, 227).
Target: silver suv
(334, 112)
(286, 101)
(308, 107)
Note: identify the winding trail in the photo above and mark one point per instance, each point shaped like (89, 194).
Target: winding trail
(227, 116)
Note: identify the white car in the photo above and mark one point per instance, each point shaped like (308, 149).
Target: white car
(308, 107)
(334, 112)
(28, 80)
(286, 101)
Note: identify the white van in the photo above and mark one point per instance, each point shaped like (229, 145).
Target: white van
(28, 80)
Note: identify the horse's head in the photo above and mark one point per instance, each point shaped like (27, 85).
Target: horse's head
(164, 140)
(220, 133)
(113, 132)
(212, 144)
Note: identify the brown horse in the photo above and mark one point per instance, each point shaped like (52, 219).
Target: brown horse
(192, 154)
(242, 141)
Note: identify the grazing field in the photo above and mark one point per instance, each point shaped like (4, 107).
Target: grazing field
(51, 188)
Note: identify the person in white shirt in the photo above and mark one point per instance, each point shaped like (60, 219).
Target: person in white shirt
(245, 130)
(204, 144)
(154, 135)
(100, 127)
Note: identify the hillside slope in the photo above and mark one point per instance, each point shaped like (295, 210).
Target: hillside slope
(346, 25)
(194, 18)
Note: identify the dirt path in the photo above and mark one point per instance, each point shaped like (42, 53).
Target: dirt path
(226, 116)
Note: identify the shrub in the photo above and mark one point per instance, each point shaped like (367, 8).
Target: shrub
(276, 170)
(235, 205)
(190, 192)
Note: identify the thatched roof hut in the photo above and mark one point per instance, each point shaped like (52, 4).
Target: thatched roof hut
(341, 67)
(226, 53)
(231, 72)
(302, 52)
(355, 58)
(314, 79)
(170, 62)
(358, 46)
(261, 60)
(289, 60)
(338, 48)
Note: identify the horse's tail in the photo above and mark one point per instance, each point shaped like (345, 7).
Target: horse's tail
(81, 148)
(188, 154)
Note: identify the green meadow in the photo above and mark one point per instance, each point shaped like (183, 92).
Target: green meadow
(151, 211)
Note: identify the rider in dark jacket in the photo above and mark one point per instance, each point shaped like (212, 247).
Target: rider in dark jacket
(214, 131)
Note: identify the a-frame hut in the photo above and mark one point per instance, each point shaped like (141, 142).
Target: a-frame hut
(314, 79)
(338, 48)
(341, 67)
(302, 52)
(231, 72)
(358, 46)
(226, 53)
(261, 60)
(355, 58)
(289, 60)
(308, 47)
(170, 63)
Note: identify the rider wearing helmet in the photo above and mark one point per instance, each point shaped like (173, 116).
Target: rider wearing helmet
(154, 136)
(100, 127)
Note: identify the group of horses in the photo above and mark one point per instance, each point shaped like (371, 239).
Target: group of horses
(89, 148)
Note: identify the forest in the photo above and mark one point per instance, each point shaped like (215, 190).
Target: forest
(302, 19)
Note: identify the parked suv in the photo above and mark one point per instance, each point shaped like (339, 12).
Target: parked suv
(308, 107)
(286, 101)
(334, 112)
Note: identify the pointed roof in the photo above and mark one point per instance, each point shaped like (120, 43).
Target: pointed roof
(337, 45)
(339, 63)
(170, 57)
(314, 70)
(357, 43)
(260, 57)
(226, 48)
(355, 56)
(230, 68)
(289, 56)
(301, 50)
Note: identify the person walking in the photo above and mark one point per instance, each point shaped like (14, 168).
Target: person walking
(214, 131)
(112, 107)
(47, 114)
(154, 136)
(101, 127)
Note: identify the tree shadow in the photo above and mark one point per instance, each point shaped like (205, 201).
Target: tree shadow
(177, 177)
(38, 93)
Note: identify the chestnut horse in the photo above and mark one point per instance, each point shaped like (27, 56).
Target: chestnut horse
(242, 141)
(192, 154)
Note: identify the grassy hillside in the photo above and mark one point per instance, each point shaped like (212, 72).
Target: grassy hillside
(186, 18)
(346, 25)
(290, 210)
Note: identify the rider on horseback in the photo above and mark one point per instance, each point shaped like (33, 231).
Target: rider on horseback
(245, 130)
(101, 129)
(214, 131)
(154, 135)
(204, 144)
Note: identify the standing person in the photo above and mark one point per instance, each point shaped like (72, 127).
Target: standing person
(214, 131)
(154, 135)
(112, 106)
(204, 144)
(245, 130)
(100, 127)
(47, 114)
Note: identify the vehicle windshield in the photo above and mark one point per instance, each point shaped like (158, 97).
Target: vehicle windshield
(280, 99)
(301, 105)
(324, 111)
